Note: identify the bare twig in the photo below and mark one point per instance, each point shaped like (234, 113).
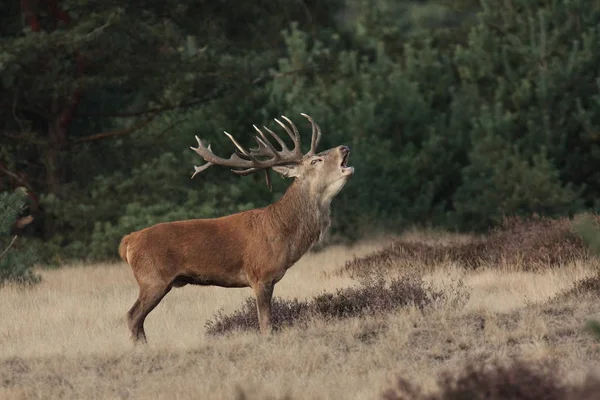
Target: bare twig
(9, 246)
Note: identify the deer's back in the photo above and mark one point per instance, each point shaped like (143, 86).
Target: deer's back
(202, 251)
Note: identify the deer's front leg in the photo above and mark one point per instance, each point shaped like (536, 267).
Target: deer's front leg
(264, 293)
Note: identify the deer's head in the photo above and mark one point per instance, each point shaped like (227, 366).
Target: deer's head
(324, 174)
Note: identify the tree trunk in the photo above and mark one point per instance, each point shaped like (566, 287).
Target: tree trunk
(52, 158)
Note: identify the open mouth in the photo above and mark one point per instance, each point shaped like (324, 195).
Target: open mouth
(346, 170)
(345, 159)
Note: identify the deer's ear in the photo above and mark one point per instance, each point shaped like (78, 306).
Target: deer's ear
(287, 171)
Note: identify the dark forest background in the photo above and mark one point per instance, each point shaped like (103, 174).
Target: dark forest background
(458, 112)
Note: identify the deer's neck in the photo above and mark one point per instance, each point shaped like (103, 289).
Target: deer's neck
(300, 217)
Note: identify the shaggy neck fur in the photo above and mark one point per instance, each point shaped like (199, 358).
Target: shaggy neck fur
(301, 214)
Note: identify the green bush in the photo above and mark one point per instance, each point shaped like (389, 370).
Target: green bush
(16, 258)
(499, 182)
(588, 228)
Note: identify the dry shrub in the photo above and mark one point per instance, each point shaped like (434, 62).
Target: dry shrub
(283, 313)
(589, 285)
(525, 243)
(406, 254)
(535, 241)
(375, 296)
(519, 380)
(583, 287)
(372, 296)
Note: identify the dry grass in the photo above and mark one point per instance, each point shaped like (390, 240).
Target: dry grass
(67, 337)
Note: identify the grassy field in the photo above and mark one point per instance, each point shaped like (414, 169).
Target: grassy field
(67, 337)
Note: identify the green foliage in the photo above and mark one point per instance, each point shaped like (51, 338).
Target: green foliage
(16, 258)
(593, 327)
(587, 227)
(120, 208)
(498, 182)
(455, 119)
(461, 135)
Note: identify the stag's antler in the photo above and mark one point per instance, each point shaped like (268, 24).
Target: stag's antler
(265, 156)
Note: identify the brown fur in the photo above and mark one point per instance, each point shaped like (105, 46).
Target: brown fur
(248, 249)
(123, 248)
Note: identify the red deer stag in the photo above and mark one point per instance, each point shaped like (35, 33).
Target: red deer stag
(253, 248)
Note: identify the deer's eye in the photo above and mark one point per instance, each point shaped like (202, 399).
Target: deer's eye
(316, 160)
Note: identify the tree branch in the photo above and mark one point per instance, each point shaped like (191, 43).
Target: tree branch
(23, 182)
(27, 136)
(9, 246)
(155, 111)
(257, 82)
(15, 177)
(141, 112)
(118, 132)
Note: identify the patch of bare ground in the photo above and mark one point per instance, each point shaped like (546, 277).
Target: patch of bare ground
(67, 337)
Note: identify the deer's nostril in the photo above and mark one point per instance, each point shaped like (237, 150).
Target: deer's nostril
(345, 149)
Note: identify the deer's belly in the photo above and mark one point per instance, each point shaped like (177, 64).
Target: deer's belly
(227, 282)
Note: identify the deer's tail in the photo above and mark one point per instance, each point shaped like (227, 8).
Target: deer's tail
(123, 248)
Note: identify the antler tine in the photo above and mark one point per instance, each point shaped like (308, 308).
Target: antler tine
(211, 159)
(277, 138)
(265, 148)
(287, 130)
(294, 135)
(245, 162)
(239, 146)
(244, 172)
(201, 168)
(316, 135)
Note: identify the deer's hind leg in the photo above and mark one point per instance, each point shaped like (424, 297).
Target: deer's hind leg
(149, 297)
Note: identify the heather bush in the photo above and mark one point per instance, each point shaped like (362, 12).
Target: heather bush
(583, 287)
(371, 296)
(283, 313)
(519, 380)
(525, 243)
(590, 285)
(375, 296)
(535, 241)
(402, 254)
